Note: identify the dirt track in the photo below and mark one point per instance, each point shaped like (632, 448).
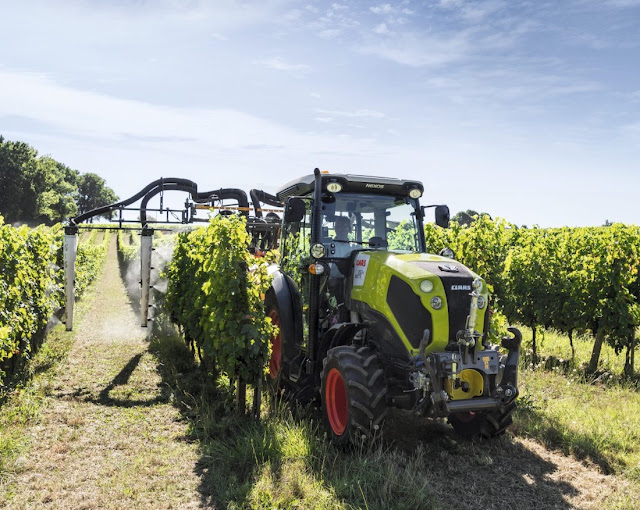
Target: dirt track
(109, 436)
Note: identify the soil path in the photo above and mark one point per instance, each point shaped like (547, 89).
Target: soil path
(110, 436)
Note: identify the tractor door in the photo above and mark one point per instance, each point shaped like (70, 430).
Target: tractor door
(295, 258)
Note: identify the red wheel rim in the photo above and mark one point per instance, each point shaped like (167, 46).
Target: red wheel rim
(276, 347)
(336, 402)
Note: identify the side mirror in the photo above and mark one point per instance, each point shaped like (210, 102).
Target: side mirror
(294, 210)
(442, 216)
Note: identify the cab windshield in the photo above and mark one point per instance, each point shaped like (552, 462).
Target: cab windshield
(356, 221)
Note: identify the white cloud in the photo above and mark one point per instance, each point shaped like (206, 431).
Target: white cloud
(504, 88)
(418, 50)
(451, 4)
(131, 142)
(372, 114)
(220, 37)
(334, 22)
(381, 29)
(473, 12)
(632, 130)
(382, 9)
(279, 64)
(623, 3)
(71, 112)
(329, 33)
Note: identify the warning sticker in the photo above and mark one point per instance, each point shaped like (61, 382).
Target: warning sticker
(360, 265)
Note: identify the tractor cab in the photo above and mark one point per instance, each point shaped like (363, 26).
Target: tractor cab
(352, 214)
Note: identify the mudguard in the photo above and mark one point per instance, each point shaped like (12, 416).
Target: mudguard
(287, 299)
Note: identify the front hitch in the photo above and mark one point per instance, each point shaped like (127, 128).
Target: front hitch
(510, 375)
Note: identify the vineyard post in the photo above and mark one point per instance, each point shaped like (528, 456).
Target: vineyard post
(145, 274)
(241, 394)
(70, 249)
(257, 398)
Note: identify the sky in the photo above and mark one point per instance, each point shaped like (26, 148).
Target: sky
(528, 110)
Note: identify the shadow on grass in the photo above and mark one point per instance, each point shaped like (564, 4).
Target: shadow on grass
(121, 379)
(285, 461)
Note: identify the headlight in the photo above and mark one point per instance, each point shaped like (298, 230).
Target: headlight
(436, 303)
(481, 302)
(318, 251)
(334, 187)
(415, 193)
(447, 252)
(477, 285)
(426, 286)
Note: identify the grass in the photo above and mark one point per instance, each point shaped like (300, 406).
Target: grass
(24, 403)
(555, 349)
(593, 422)
(285, 460)
(593, 417)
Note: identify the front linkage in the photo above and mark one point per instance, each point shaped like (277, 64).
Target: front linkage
(453, 386)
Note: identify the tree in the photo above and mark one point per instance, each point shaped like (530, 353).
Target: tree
(53, 190)
(93, 193)
(468, 217)
(16, 159)
(42, 190)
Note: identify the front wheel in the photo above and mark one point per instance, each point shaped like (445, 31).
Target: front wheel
(354, 393)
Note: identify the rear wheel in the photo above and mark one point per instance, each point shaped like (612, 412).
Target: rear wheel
(482, 424)
(353, 394)
(275, 361)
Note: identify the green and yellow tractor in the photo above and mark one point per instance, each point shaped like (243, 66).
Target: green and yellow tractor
(368, 320)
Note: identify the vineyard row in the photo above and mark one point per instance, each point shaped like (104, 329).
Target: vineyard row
(574, 280)
(31, 287)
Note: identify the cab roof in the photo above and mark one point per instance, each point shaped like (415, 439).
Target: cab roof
(350, 183)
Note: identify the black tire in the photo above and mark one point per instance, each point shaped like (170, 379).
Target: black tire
(353, 393)
(482, 424)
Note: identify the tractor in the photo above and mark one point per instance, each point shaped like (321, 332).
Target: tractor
(369, 321)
